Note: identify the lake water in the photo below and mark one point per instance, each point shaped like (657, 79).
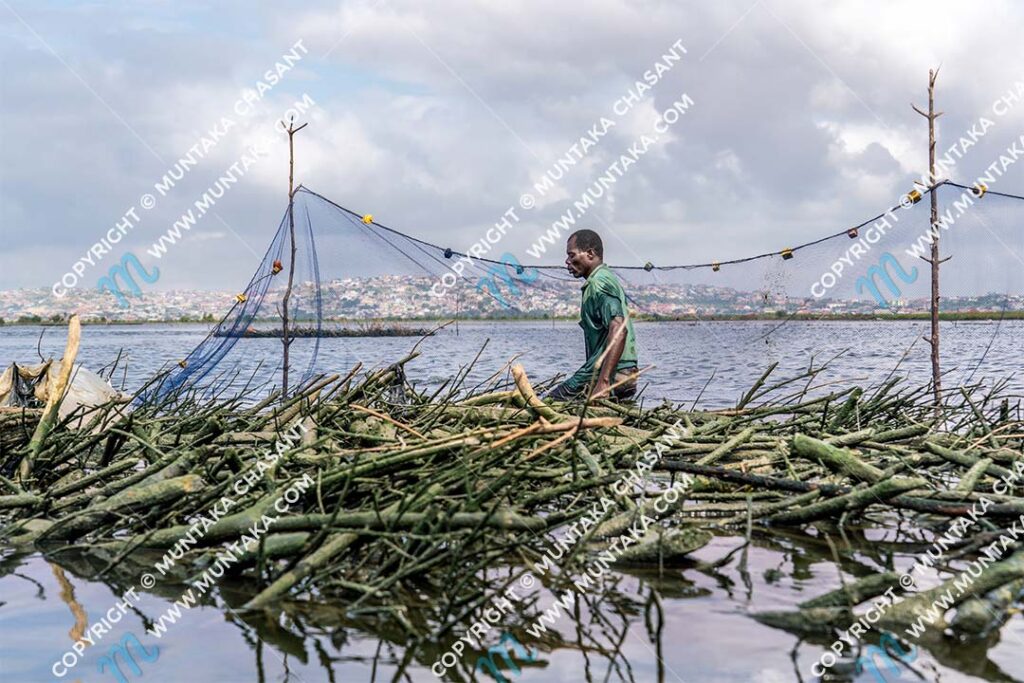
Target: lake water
(708, 635)
(684, 355)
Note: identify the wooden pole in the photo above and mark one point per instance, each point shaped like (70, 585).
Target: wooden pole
(286, 342)
(933, 340)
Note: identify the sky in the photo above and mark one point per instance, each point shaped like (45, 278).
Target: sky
(438, 117)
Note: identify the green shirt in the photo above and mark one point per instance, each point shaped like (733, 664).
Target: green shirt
(603, 299)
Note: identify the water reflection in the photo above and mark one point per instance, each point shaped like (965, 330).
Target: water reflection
(691, 621)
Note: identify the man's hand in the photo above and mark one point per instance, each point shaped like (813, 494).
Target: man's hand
(602, 388)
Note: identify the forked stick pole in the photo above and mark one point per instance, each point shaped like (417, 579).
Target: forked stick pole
(933, 340)
(286, 341)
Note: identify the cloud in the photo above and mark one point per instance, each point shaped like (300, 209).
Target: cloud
(437, 118)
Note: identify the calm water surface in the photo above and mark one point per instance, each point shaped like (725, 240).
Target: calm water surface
(684, 355)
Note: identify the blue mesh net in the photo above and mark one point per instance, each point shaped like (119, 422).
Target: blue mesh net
(872, 268)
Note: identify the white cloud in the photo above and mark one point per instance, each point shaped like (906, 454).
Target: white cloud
(438, 117)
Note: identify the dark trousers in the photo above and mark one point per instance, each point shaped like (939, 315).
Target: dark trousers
(624, 392)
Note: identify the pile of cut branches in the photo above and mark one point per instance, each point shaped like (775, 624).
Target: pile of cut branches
(397, 497)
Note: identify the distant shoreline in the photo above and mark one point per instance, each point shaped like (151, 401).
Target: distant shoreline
(802, 317)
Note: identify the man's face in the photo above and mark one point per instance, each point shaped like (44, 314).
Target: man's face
(579, 263)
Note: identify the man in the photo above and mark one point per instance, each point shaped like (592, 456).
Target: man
(607, 330)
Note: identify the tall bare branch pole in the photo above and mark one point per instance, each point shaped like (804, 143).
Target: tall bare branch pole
(286, 341)
(933, 340)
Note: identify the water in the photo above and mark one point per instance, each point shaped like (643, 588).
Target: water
(726, 356)
(708, 634)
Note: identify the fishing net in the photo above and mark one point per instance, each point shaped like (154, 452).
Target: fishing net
(346, 269)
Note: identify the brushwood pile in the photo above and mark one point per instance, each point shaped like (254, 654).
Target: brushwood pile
(363, 490)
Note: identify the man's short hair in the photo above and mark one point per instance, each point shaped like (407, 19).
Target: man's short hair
(588, 239)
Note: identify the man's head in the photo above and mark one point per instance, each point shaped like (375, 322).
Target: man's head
(584, 252)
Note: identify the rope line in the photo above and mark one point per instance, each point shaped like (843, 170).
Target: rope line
(694, 266)
(987, 191)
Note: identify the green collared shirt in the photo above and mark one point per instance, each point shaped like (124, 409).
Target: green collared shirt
(603, 300)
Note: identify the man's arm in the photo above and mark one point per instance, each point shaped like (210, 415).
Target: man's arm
(612, 354)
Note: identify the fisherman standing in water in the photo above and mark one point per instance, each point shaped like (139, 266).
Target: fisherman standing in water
(607, 329)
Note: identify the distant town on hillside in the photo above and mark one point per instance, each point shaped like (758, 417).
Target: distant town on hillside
(410, 298)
